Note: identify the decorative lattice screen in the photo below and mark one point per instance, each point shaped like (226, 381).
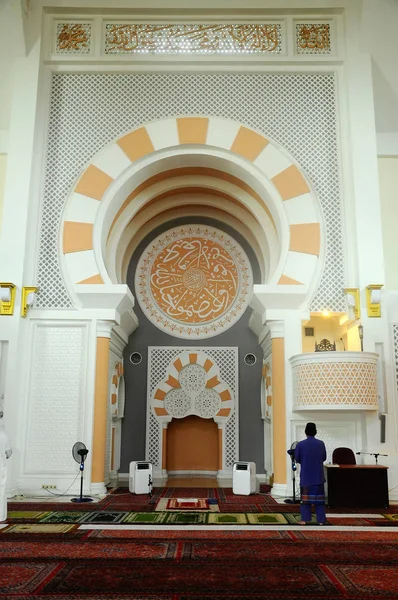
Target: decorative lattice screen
(395, 334)
(227, 361)
(87, 111)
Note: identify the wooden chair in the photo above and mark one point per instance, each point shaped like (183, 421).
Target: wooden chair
(343, 456)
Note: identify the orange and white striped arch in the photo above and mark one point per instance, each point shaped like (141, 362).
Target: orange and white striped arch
(227, 170)
(212, 382)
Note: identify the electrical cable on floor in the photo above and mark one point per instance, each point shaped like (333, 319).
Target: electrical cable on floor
(52, 493)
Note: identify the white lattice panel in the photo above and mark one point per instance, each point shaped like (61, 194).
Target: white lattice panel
(193, 386)
(56, 397)
(154, 440)
(395, 335)
(231, 450)
(87, 111)
(336, 384)
(159, 360)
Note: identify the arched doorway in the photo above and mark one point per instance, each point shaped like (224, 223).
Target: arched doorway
(192, 446)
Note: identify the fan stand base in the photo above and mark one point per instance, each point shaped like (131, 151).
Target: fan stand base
(84, 499)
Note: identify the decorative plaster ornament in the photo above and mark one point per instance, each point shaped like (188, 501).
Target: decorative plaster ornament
(193, 281)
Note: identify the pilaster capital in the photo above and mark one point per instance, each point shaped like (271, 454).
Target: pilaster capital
(277, 329)
(265, 341)
(104, 328)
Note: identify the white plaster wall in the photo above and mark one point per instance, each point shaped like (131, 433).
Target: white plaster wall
(13, 242)
(378, 22)
(378, 37)
(3, 167)
(388, 180)
(58, 405)
(11, 48)
(324, 327)
(21, 74)
(367, 227)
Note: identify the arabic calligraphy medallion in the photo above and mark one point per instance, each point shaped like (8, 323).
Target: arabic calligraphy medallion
(193, 281)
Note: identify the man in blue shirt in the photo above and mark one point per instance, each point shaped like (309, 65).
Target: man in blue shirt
(311, 454)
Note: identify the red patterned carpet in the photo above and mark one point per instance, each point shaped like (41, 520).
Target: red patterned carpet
(200, 565)
(63, 562)
(120, 499)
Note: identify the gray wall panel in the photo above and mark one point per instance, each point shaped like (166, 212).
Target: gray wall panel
(251, 430)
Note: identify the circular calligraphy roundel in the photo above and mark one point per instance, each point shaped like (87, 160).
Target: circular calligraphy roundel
(193, 281)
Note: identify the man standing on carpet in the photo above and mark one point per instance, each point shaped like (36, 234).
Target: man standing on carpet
(5, 452)
(311, 454)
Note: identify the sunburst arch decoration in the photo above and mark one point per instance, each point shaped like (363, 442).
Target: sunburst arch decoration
(193, 281)
(193, 386)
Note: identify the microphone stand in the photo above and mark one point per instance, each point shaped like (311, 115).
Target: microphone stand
(360, 333)
(375, 454)
(294, 469)
(150, 487)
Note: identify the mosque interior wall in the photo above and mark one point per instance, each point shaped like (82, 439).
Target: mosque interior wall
(388, 178)
(304, 107)
(251, 436)
(3, 168)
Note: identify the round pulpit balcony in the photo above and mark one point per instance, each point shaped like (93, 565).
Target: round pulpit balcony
(335, 381)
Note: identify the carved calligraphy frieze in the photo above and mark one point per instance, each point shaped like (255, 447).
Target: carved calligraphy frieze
(193, 39)
(313, 38)
(193, 281)
(73, 38)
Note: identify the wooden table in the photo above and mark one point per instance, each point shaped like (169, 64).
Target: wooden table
(357, 486)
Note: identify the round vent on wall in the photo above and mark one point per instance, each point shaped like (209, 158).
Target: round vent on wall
(250, 359)
(135, 358)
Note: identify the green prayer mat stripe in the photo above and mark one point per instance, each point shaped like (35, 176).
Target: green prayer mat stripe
(185, 517)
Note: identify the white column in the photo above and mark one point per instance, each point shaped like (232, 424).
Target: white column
(102, 383)
(277, 331)
(14, 243)
(282, 314)
(366, 241)
(266, 413)
(293, 346)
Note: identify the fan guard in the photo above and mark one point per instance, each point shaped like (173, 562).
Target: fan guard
(79, 452)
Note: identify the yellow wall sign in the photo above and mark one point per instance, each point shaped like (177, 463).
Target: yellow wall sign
(7, 298)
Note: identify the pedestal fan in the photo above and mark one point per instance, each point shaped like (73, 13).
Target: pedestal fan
(79, 453)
